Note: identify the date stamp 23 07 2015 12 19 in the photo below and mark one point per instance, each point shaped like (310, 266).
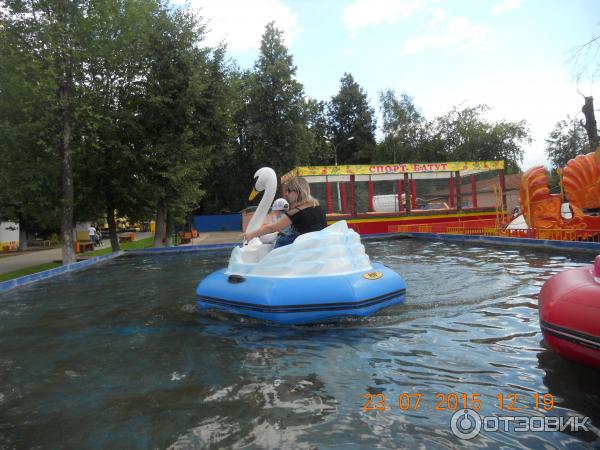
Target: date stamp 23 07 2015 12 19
(453, 401)
(466, 423)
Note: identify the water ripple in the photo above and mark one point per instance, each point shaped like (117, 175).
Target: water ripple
(117, 357)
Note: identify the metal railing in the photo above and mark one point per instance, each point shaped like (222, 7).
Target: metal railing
(466, 229)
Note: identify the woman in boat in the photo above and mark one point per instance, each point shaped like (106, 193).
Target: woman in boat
(305, 215)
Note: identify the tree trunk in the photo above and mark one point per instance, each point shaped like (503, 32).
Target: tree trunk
(169, 232)
(65, 100)
(66, 226)
(590, 122)
(22, 234)
(112, 225)
(160, 224)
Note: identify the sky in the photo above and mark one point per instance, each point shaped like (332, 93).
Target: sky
(513, 55)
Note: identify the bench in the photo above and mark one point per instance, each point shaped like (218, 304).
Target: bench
(127, 238)
(185, 237)
(84, 246)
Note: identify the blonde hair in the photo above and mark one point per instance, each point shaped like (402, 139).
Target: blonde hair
(302, 188)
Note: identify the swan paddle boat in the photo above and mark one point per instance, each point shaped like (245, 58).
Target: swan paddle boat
(570, 313)
(322, 276)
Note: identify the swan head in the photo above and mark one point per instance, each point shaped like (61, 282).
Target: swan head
(262, 178)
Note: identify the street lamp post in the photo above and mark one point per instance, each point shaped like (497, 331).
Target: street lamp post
(336, 163)
(351, 138)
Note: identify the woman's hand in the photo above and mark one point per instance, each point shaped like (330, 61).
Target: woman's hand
(266, 229)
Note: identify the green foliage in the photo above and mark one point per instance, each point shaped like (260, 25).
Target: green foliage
(351, 117)
(157, 119)
(54, 239)
(322, 152)
(184, 113)
(107, 163)
(400, 115)
(215, 107)
(460, 135)
(228, 182)
(274, 125)
(466, 135)
(276, 112)
(150, 108)
(567, 139)
(403, 128)
(29, 116)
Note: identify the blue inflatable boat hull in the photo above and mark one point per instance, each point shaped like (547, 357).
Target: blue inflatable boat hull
(302, 300)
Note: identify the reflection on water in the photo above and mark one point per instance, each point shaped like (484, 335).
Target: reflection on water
(117, 357)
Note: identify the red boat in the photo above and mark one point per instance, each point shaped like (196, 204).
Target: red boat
(570, 314)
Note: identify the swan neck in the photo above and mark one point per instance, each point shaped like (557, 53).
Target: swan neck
(263, 207)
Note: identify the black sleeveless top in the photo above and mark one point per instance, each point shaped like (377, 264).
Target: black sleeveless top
(307, 219)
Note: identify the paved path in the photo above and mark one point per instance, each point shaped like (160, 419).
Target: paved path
(16, 261)
(218, 237)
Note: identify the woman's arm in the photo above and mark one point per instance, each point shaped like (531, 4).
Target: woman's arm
(270, 228)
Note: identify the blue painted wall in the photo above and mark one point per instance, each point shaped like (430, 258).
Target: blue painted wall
(221, 222)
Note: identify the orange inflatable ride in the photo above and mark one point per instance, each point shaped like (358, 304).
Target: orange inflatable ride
(570, 313)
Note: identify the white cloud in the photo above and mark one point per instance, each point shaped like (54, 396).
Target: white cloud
(364, 13)
(505, 6)
(540, 98)
(241, 23)
(459, 32)
(437, 18)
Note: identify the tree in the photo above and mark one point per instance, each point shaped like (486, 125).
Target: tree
(590, 122)
(586, 62)
(165, 113)
(231, 162)
(109, 164)
(214, 106)
(322, 151)
(403, 128)
(276, 112)
(183, 115)
(585, 59)
(465, 135)
(351, 117)
(50, 32)
(566, 140)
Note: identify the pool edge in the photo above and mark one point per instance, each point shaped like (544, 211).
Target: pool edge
(51, 273)
(548, 245)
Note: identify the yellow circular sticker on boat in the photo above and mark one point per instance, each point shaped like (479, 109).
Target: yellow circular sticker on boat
(372, 275)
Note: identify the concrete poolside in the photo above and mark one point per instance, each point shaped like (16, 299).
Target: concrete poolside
(16, 261)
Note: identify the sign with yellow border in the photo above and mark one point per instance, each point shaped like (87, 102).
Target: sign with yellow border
(379, 169)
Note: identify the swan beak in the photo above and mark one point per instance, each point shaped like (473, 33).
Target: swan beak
(253, 194)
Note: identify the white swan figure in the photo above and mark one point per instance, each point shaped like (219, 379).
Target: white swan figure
(266, 181)
(255, 250)
(334, 250)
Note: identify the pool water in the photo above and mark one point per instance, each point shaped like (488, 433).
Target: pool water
(117, 357)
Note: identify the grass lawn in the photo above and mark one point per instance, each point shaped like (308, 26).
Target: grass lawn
(27, 271)
(135, 245)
